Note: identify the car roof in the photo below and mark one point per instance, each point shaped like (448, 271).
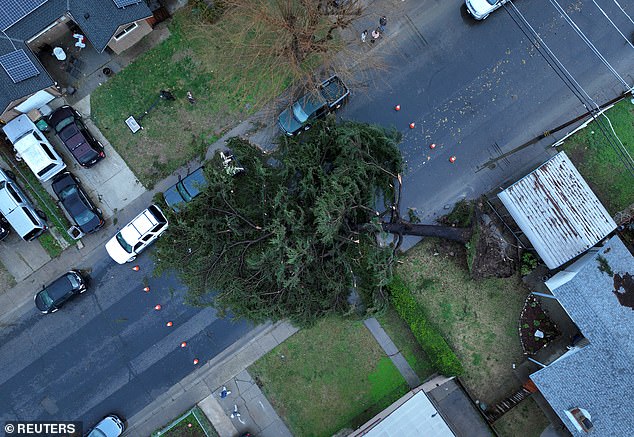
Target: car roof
(195, 182)
(141, 224)
(59, 287)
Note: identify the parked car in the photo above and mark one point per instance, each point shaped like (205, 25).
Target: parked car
(18, 210)
(110, 426)
(330, 95)
(68, 190)
(69, 127)
(4, 228)
(480, 9)
(32, 147)
(186, 189)
(51, 298)
(137, 235)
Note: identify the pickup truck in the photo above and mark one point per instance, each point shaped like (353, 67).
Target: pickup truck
(330, 95)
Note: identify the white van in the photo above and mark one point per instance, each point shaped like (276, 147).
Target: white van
(33, 148)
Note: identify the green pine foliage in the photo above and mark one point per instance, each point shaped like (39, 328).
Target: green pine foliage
(282, 240)
(432, 342)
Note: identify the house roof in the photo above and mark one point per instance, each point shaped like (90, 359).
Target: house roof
(98, 19)
(416, 416)
(10, 91)
(557, 210)
(599, 378)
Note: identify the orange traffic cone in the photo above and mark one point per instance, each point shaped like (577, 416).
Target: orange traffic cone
(169, 324)
(136, 268)
(397, 108)
(184, 344)
(432, 146)
(412, 125)
(195, 361)
(146, 289)
(452, 159)
(158, 307)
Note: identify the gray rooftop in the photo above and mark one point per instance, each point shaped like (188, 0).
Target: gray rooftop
(98, 20)
(600, 376)
(557, 210)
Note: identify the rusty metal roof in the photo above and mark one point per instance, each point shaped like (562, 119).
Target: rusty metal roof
(557, 210)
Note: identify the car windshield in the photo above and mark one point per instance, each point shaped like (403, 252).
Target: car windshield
(46, 299)
(97, 433)
(73, 280)
(123, 243)
(65, 122)
(183, 192)
(84, 217)
(493, 2)
(299, 113)
(68, 191)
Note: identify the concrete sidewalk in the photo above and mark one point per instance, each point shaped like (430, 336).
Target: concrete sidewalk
(209, 378)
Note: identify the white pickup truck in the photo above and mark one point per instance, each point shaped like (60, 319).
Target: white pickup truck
(33, 148)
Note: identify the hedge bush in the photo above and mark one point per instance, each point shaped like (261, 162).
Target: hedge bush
(432, 342)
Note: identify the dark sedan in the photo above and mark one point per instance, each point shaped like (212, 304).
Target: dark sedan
(51, 298)
(69, 192)
(70, 128)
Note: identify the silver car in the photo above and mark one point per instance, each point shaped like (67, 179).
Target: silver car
(480, 9)
(110, 426)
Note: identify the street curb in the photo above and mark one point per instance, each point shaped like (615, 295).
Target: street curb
(210, 376)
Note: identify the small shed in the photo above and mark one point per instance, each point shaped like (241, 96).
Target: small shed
(557, 211)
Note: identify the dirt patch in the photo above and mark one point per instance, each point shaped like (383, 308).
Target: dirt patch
(494, 256)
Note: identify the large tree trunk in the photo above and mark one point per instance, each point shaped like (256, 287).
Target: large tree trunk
(461, 235)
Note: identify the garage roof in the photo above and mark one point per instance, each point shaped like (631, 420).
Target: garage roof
(557, 210)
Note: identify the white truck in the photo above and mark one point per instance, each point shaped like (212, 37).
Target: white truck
(33, 148)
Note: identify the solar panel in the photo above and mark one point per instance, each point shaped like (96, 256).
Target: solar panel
(18, 66)
(124, 3)
(12, 11)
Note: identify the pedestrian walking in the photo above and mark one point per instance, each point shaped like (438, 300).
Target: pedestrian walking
(224, 392)
(382, 23)
(364, 35)
(376, 34)
(235, 413)
(190, 97)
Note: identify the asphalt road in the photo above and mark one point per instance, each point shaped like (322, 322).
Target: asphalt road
(480, 89)
(107, 350)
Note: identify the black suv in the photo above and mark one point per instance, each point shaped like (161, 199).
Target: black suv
(51, 298)
(70, 128)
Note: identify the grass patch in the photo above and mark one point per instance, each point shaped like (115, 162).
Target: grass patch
(327, 377)
(526, 420)
(189, 426)
(50, 245)
(477, 318)
(599, 163)
(176, 132)
(406, 343)
(7, 281)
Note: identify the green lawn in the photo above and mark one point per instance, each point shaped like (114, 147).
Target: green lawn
(328, 377)
(599, 163)
(477, 318)
(176, 132)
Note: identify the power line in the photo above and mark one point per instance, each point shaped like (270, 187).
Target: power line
(614, 25)
(623, 10)
(585, 39)
(569, 80)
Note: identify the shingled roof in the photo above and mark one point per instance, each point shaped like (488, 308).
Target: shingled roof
(557, 210)
(599, 378)
(98, 19)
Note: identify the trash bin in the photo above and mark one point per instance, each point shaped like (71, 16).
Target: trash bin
(42, 125)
